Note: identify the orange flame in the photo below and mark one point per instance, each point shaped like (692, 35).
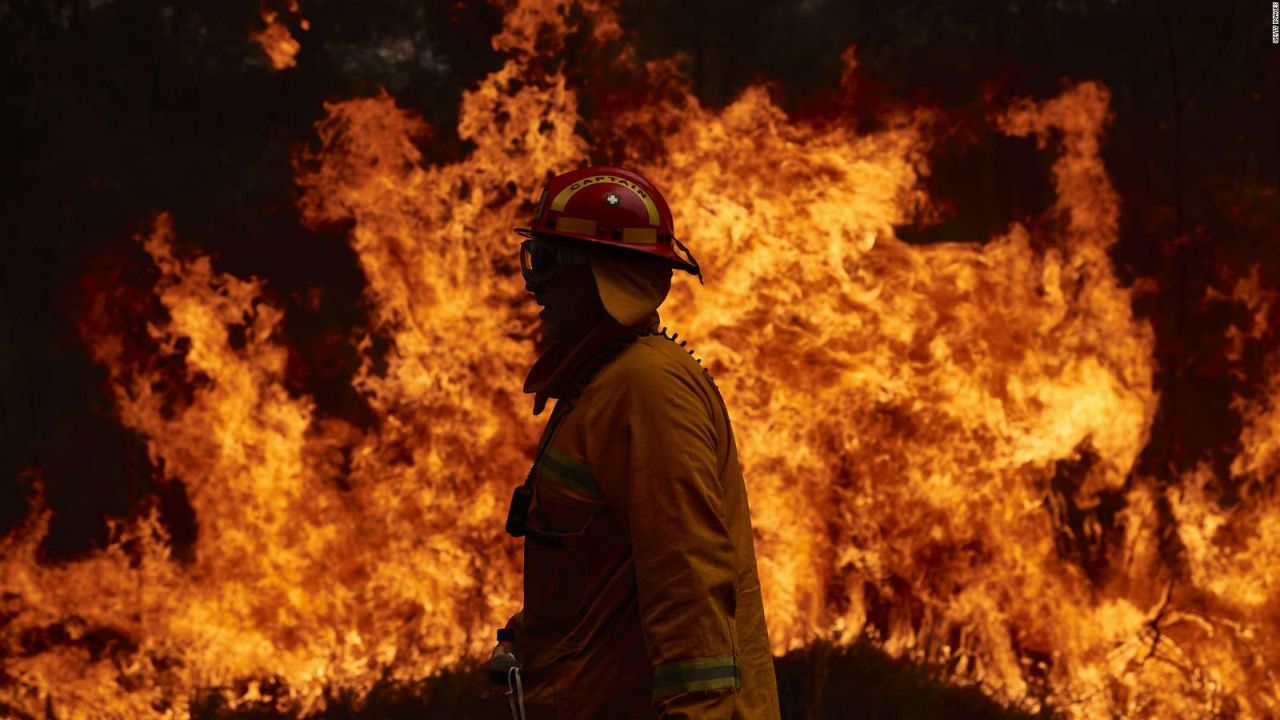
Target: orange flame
(928, 433)
(276, 40)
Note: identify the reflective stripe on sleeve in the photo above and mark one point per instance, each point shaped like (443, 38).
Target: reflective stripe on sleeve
(569, 473)
(708, 673)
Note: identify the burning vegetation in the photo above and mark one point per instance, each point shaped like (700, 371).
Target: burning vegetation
(947, 445)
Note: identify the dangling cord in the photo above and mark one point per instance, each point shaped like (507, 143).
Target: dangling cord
(697, 269)
(515, 693)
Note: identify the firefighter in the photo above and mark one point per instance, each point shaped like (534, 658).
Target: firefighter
(641, 596)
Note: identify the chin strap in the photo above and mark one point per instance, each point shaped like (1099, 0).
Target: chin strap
(697, 269)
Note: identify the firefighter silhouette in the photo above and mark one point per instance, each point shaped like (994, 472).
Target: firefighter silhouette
(641, 595)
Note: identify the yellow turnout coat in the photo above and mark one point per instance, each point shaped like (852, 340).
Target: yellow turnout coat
(641, 597)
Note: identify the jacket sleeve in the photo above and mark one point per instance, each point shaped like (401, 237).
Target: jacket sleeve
(654, 450)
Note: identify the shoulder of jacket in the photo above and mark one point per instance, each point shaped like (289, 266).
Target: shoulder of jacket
(653, 362)
(679, 353)
(640, 362)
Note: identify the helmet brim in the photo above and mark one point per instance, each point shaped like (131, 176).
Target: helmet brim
(603, 245)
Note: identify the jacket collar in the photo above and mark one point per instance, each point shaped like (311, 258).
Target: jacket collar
(553, 374)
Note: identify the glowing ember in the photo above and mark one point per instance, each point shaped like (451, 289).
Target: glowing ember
(931, 435)
(276, 40)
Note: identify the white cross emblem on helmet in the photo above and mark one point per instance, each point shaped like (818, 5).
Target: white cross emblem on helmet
(612, 199)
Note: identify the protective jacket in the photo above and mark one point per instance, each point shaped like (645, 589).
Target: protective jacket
(641, 594)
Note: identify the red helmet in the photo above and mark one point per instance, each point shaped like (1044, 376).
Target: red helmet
(611, 207)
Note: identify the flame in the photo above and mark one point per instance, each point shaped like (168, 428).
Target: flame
(276, 40)
(934, 437)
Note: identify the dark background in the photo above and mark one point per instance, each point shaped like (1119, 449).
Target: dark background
(120, 108)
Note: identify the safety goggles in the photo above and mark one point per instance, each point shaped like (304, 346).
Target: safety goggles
(538, 259)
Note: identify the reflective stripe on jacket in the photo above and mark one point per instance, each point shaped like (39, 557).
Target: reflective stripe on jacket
(649, 606)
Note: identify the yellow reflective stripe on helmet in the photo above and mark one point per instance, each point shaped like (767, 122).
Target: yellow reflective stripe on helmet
(708, 673)
(569, 473)
(640, 236)
(576, 225)
(562, 198)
